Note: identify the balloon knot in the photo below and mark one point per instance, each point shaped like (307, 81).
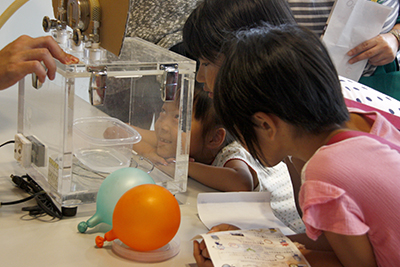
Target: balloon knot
(99, 241)
(82, 227)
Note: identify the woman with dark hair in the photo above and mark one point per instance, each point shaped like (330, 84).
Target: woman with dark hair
(205, 29)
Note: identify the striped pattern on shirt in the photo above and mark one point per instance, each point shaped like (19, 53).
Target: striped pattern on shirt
(313, 14)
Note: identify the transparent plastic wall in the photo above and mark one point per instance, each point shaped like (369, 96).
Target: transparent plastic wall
(136, 94)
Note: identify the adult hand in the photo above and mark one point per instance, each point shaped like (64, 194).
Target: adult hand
(24, 56)
(379, 50)
(200, 251)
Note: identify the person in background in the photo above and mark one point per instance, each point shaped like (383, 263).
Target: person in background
(25, 55)
(286, 93)
(382, 71)
(159, 21)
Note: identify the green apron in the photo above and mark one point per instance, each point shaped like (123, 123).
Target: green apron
(385, 79)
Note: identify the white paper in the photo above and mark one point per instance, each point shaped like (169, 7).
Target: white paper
(351, 23)
(256, 248)
(246, 210)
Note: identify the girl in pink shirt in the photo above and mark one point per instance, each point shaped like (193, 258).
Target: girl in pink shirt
(279, 94)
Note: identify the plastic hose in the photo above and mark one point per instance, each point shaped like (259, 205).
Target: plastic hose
(10, 11)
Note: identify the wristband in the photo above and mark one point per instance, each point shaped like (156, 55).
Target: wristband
(396, 34)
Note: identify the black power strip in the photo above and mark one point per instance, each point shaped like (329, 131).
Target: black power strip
(44, 202)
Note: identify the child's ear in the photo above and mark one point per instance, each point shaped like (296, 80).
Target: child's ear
(267, 123)
(217, 138)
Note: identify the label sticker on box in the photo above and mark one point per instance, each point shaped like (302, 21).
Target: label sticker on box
(53, 173)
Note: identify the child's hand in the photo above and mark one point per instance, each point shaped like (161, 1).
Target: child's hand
(223, 227)
(115, 132)
(169, 168)
(155, 158)
(171, 160)
(201, 255)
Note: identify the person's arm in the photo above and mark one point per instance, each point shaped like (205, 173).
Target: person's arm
(317, 258)
(331, 249)
(352, 251)
(25, 55)
(146, 147)
(148, 151)
(321, 244)
(379, 50)
(148, 136)
(234, 176)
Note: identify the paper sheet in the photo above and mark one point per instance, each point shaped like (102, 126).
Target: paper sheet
(247, 210)
(352, 22)
(256, 248)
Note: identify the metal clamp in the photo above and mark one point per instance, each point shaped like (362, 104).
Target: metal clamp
(169, 81)
(50, 24)
(97, 85)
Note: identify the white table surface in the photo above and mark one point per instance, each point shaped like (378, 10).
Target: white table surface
(25, 242)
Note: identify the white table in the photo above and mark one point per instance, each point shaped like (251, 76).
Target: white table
(25, 242)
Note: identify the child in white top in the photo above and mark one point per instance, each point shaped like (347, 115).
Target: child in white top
(217, 160)
(216, 164)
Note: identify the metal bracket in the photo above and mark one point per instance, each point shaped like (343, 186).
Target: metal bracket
(169, 81)
(97, 85)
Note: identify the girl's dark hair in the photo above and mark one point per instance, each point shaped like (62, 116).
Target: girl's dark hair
(282, 70)
(206, 28)
(203, 110)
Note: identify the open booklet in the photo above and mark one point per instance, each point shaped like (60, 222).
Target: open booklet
(256, 248)
(246, 210)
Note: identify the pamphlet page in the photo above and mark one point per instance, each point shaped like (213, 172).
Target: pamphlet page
(256, 248)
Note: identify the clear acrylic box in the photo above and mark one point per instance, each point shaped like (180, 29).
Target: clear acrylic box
(137, 86)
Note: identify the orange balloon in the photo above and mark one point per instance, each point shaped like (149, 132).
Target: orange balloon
(146, 217)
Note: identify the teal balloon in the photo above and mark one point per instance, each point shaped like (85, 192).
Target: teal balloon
(111, 190)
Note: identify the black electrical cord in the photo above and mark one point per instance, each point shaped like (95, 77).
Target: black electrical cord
(43, 201)
(45, 204)
(16, 201)
(21, 200)
(8, 142)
